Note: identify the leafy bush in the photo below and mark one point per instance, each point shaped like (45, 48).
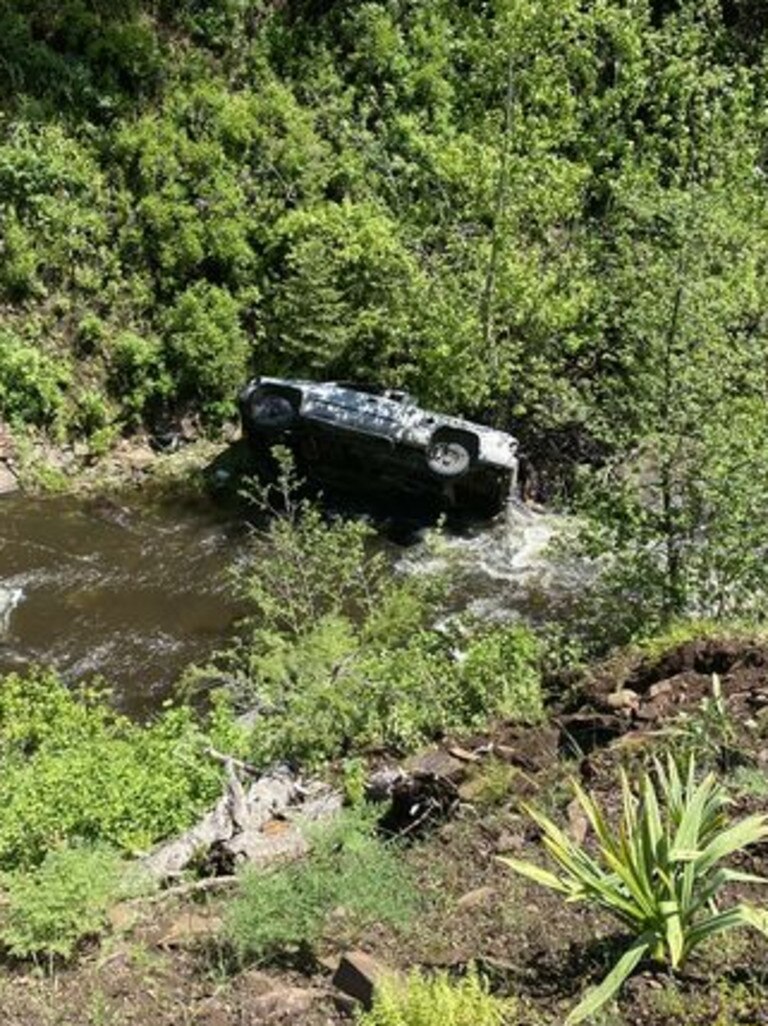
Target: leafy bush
(332, 691)
(31, 383)
(344, 300)
(312, 567)
(499, 671)
(18, 270)
(137, 374)
(71, 769)
(348, 867)
(659, 874)
(707, 733)
(205, 346)
(427, 1000)
(340, 653)
(50, 910)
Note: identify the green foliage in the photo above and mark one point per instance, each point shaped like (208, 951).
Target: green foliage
(659, 874)
(31, 383)
(137, 373)
(50, 910)
(348, 867)
(206, 349)
(347, 291)
(426, 1000)
(492, 783)
(707, 733)
(338, 653)
(71, 769)
(410, 191)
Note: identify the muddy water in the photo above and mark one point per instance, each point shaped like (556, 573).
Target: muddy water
(135, 594)
(94, 588)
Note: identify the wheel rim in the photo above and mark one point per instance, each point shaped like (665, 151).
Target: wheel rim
(448, 459)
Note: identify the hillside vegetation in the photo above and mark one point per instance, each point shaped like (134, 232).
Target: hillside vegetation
(548, 216)
(535, 212)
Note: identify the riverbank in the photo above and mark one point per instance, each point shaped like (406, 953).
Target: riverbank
(437, 720)
(33, 464)
(173, 958)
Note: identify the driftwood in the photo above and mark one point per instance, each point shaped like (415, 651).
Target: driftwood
(265, 820)
(259, 824)
(205, 885)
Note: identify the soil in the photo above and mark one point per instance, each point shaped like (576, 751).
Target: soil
(166, 964)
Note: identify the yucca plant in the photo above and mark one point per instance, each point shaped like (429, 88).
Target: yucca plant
(659, 873)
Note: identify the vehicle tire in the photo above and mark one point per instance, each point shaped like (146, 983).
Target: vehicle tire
(271, 413)
(448, 458)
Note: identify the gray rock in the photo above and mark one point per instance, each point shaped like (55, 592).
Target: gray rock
(437, 763)
(283, 1005)
(8, 481)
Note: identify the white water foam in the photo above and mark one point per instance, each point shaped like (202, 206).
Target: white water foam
(499, 568)
(10, 597)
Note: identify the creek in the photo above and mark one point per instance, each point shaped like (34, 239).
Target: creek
(129, 593)
(134, 593)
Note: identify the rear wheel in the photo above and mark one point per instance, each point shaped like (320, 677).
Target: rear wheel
(271, 412)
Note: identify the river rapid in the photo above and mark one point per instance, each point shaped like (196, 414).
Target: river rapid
(134, 594)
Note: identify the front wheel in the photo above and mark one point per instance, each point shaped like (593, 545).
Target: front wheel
(448, 459)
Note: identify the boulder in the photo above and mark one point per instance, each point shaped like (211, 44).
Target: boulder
(282, 1005)
(476, 898)
(359, 975)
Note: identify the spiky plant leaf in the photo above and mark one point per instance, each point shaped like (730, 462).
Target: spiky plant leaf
(659, 873)
(596, 997)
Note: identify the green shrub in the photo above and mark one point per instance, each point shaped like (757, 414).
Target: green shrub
(31, 382)
(707, 733)
(18, 268)
(137, 373)
(437, 999)
(340, 653)
(305, 567)
(206, 348)
(50, 910)
(331, 692)
(91, 414)
(500, 671)
(659, 874)
(348, 868)
(71, 769)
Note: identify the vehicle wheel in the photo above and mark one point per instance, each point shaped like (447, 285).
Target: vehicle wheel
(273, 412)
(448, 458)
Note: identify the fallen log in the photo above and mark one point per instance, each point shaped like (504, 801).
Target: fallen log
(259, 824)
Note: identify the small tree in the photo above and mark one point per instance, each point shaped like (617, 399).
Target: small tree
(683, 406)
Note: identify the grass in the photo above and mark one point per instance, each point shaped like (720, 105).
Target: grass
(351, 878)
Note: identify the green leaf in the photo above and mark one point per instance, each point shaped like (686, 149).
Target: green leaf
(600, 995)
(537, 874)
(739, 915)
(747, 831)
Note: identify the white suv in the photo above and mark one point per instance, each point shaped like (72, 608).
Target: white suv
(365, 436)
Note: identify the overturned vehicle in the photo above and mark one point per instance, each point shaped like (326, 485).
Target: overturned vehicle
(362, 437)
